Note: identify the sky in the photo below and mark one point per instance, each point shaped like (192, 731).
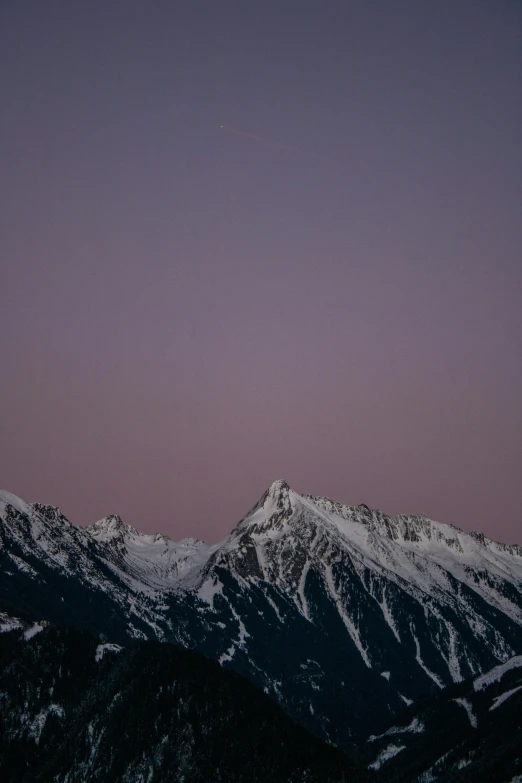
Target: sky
(189, 313)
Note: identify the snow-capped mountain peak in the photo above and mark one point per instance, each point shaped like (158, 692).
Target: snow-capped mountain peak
(278, 488)
(274, 507)
(109, 528)
(154, 560)
(371, 567)
(388, 605)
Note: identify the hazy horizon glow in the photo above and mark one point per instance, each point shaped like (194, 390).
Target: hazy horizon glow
(190, 313)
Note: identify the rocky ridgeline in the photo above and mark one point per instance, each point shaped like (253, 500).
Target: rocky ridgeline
(342, 614)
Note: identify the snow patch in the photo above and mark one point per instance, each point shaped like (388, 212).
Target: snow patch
(503, 697)
(385, 755)
(32, 631)
(348, 622)
(274, 607)
(209, 589)
(102, 649)
(421, 663)
(388, 616)
(38, 724)
(23, 566)
(301, 590)
(415, 727)
(228, 655)
(9, 623)
(496, 674)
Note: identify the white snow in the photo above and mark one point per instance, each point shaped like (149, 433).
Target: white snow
(469, 709)
(415, 553)
(415, 727)
(496, 674)
(274, 607)
(436, 550)
(426, 777)
(301, 590)
(6, 498)
(503, 697)
(22, 565)
(385, 755)
(9, 623)
(102, 649)
(348, 622)
(351, 549)
(32, 631)
(243, 633)
(209, 589)
(432, 773)
(228, 655)
(154, 559)
(388, 616)
(449, 644)
(67, 549)
(37, 725)
(421, 663)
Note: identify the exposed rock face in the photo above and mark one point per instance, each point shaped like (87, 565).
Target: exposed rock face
(341, 613)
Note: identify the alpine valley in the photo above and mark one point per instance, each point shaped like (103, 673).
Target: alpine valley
(363, 628)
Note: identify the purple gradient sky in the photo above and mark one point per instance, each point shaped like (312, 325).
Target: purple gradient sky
(188, 314)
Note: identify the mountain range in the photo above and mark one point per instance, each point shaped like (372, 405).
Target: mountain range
(345, 616)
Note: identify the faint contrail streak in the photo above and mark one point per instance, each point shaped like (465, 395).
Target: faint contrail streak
(266, 140)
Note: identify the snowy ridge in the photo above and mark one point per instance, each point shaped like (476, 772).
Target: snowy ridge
(156, 560)
(393, 606)
(415, 599)
(286, 536)
(36, 536)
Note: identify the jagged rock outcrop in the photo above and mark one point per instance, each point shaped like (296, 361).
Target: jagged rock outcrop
(342, 614)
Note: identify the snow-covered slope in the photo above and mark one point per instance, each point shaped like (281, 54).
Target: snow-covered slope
(368, 564)
(52, 569)
(371, 610)
(155, 560)
(343, 614)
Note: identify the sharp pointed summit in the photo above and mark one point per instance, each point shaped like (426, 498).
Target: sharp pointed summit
(109, 528)
(341, 613)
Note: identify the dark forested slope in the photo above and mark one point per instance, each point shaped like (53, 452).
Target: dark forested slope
(73, 709)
